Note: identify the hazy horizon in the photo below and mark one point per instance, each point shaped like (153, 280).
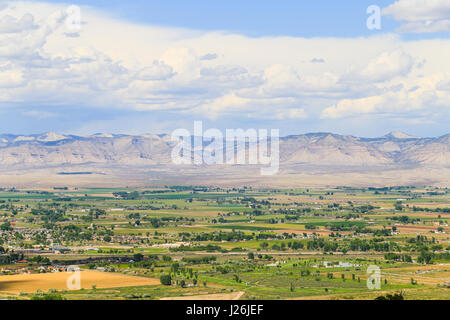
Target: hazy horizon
(169, 133)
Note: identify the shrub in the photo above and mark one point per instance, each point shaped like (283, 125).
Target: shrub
(166, 280)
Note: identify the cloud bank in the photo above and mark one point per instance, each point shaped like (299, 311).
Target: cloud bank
(421, 16)
(110, 64)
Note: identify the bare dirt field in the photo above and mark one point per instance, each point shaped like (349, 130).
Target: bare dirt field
(416, 229)
(226, 176)
(30, 283)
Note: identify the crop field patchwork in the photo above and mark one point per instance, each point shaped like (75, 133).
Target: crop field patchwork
(226, 243)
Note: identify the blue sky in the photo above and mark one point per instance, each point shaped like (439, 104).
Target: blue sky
(154, 66)
(297, 18)
(320, 18)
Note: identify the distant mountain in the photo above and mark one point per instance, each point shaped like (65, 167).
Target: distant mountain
(51, 136)
(319, 149)
(397, 135)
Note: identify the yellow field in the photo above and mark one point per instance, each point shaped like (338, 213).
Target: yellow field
(30, 283)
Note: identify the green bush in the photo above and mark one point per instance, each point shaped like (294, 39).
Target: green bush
(166, 280)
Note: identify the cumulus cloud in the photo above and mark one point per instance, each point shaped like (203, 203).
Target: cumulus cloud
(348, 107)
(223, 71)
(288, 81)
(11, 78)
(444, 85)
(10, 24)
(157, 71)
(420, 99)
(421, 16)
(387, 66)
(209, 56)
(72, 34)
(148, 68)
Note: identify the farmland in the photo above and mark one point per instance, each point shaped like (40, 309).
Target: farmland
(30, 283)
(182, 242)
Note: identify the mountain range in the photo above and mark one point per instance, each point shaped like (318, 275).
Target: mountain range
(328, 149)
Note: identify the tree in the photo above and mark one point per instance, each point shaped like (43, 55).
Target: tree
(166, 280)
(395, 296)
(138, 257)
(425, 257)
(6, 226)
(175, 266)
(251, 255)
(50, 296)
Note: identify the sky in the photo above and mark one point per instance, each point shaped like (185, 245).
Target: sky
(135, 67)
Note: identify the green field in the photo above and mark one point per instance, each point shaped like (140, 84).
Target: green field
(262, 244)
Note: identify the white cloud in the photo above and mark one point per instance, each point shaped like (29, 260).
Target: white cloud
(288, 81)
(214, 74)
(417, 99)
(10, 24)
(157, 71)
(11, 78)
(353, 106)
(209, 56)
(420, 16)
(223, 71)
(387, 66)
(444, 85)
